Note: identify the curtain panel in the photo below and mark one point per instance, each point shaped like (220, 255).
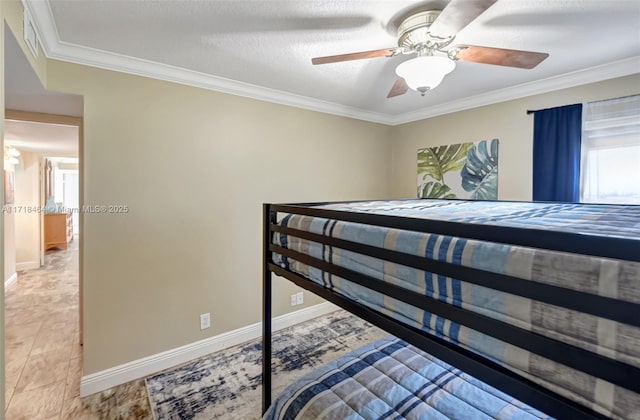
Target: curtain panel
(557, 136)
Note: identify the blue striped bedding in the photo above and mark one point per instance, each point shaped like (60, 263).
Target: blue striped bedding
(595, 219)
(616, 279)
(390, 379)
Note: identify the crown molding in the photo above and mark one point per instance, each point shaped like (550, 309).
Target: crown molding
(111, 61)
(620, 68)
(54, 48)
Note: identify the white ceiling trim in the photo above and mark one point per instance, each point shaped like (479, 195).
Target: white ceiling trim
(125, 64)
(54, 48)
(60, 50)
(591, 75)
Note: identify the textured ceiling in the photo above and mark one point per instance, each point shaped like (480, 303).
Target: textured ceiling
(270, 44)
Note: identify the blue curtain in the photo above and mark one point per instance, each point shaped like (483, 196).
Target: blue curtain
(557, 135)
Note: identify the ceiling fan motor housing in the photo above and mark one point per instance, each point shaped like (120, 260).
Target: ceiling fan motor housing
(414, 36)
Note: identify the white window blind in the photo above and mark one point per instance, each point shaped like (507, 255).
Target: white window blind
(611, 151)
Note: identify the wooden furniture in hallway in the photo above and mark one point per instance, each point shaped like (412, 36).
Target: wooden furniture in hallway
(58, 230)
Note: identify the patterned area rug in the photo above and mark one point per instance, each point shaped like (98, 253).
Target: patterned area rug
(227, 384)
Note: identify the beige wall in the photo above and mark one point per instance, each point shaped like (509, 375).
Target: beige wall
(193, 167)
(27, 224)
(507, 121)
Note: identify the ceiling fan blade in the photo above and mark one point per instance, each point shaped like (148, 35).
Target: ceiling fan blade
(387, 52)
(399, 88)
(458, 14)
(499, 56)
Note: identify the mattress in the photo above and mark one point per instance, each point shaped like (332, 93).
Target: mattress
(608, 277)
(390, 379)
(590, 219)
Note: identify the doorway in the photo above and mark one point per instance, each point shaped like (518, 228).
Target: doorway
(43, 307)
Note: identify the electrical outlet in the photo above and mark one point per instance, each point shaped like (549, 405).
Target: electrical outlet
(294, 300)
(205, 321)
(299, 298)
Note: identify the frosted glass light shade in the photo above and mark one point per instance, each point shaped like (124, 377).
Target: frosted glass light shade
(425, 73)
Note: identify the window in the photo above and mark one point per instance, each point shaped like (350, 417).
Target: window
(611, 151)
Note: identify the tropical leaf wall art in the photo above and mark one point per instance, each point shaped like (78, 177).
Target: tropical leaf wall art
(480, 171)
(436, 161)
(464, 170)
(434, 189)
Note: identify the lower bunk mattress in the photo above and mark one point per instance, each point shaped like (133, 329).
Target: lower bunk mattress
(391, 379)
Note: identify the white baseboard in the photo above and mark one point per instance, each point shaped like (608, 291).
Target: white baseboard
(12, 279)
(99, 381)
(28, 265)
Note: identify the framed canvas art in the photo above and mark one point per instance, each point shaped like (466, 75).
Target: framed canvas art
(464, 170)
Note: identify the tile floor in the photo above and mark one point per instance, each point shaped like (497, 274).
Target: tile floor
(43, 353)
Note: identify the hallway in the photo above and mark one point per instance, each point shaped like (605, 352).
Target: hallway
(43, 353)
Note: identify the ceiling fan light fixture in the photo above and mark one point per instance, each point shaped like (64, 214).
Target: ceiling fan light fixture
(426, 72)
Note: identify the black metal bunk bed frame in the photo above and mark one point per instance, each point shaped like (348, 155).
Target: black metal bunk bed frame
(490, 372)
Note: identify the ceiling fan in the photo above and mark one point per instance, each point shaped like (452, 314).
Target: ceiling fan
(429, 34)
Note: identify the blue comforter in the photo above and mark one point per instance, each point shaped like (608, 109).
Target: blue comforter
(390, 379)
